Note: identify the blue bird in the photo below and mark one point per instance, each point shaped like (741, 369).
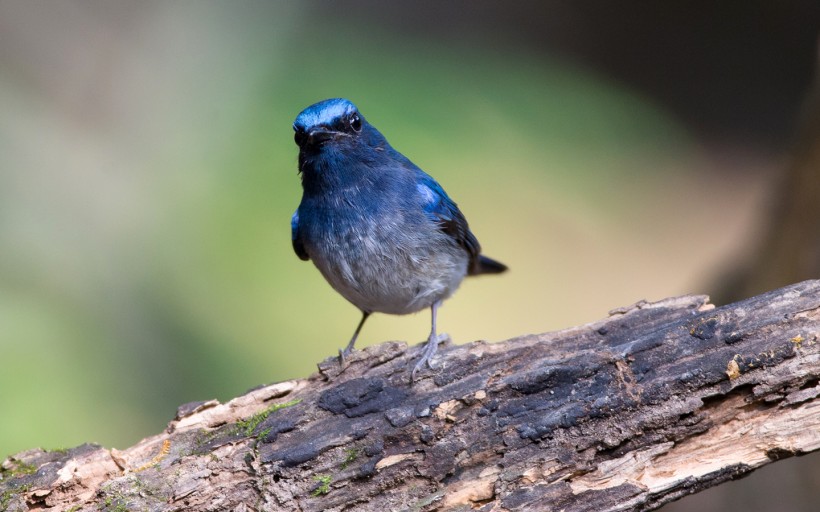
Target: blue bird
(382, 232)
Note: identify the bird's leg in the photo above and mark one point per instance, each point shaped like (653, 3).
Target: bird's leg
(432, 343)
(349, 348)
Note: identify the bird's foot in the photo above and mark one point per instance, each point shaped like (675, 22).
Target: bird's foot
(429, 351)
(445, 338)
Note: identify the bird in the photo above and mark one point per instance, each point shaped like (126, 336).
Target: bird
(383, 233)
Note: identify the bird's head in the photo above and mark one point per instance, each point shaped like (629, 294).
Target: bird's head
(334, 122)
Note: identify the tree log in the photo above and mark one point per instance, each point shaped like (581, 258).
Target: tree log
(657, 401)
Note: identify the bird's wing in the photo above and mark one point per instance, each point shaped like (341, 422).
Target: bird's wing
(298, 246)
(440, 208)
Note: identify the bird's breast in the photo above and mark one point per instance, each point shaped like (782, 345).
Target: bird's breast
(382, 259)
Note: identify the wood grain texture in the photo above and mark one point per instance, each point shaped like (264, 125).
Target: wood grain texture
(657, 401)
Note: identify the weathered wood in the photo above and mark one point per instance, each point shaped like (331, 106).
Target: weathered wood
(655, 402)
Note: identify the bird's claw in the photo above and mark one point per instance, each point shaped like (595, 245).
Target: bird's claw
(445, 338)
(343, 361)
(428, 352)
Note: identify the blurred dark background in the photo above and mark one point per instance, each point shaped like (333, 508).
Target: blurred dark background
(608, 151)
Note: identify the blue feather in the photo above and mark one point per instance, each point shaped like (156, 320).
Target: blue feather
(443, 210)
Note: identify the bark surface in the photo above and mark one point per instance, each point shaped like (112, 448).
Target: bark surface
(657, 401)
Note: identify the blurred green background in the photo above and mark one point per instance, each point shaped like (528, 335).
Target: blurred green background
(148, 175)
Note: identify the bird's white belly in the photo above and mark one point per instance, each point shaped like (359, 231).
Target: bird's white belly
(377, 275)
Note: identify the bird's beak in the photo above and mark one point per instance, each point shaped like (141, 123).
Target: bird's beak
(318, 136)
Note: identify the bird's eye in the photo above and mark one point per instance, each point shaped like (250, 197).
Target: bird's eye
(355, 122)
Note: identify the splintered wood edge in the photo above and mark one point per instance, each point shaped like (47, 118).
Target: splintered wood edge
(741, 436)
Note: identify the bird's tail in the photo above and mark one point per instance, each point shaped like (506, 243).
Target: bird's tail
(485, 265)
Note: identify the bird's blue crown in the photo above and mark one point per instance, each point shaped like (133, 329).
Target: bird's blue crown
(324, 113)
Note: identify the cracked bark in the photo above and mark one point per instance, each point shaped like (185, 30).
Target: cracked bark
(657, 401)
